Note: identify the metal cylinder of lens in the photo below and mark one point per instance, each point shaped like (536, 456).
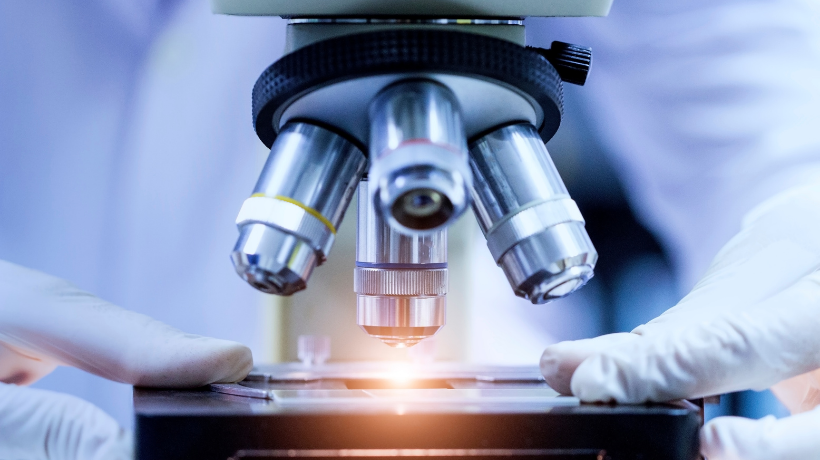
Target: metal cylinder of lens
(534, 230)
(287, 226)
(418, 154)
(400, 280)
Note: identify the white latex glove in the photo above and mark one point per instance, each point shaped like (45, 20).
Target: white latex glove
(752, 321)
(45, 322)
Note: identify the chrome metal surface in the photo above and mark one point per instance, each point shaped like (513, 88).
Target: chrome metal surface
(400, 280)
(273, 261)
(287, 226)
(235, 389)
(376, 281)
(551, 263)
(377, 244)
(401, 321)
(418, 154)
(513, 171)
(438, 21)
(531, 221)
(312, 166)
(484, 104)
(534, 230)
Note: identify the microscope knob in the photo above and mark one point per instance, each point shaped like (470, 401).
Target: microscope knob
(571, 61)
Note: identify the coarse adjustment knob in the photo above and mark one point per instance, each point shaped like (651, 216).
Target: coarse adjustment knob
(571, 61)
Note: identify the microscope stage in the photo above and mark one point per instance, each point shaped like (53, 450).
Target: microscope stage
(418, 8)
(372, 410)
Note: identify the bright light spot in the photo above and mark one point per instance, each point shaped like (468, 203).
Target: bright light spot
(400, 374)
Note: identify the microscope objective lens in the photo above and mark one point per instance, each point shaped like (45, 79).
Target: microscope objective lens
(418, 156)
(422, 209)
(422, 203)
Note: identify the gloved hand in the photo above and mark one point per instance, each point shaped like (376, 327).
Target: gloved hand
(752, 321)
(45, 322)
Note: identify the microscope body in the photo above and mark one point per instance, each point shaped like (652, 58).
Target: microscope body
(425, 115)
(412, 8)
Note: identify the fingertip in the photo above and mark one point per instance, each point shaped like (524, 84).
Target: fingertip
(560, 361)
(597, 379)
(216, 361)
(240, 359)
(556, 370)
(735, 437)
(640, 371)
(191, 361)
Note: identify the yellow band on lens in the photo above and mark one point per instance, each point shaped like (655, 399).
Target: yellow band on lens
(307, 209)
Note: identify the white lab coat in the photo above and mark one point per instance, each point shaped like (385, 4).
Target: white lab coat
(126, 145)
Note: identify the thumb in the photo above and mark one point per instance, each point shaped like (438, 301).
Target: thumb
(43, 425)
(737, 438)
(559, 361)
(775, 340)
(52, 320)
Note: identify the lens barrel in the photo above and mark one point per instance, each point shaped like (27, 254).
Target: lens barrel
(418, 154)
(400, 280)
(288, 225)
(534, 230)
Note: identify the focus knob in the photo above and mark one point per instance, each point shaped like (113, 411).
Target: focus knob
(571, 61)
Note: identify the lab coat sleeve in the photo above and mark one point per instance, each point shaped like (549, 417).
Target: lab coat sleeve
(707, 108)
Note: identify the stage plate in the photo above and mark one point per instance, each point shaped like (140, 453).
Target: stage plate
(366, 411)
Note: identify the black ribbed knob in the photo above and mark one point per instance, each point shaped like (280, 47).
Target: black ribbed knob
(571, 61)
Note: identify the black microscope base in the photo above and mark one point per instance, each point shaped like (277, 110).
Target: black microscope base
(453, 418)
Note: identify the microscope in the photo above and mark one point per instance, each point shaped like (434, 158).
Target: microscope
(424, 107)
(425, 114)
